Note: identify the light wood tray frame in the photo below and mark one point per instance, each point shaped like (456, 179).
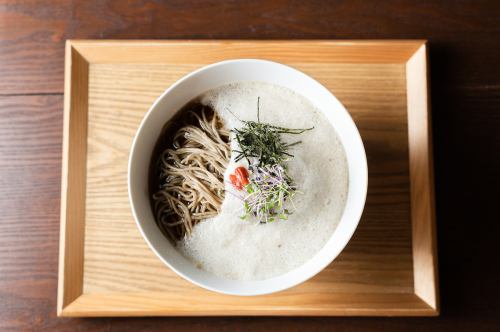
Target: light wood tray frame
(388, 269)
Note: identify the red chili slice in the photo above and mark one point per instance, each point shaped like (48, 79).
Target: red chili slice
(235, 181)
(242, 175)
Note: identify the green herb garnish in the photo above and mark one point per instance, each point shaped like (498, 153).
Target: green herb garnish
(269, 186)
(268, 190)
(263, 141)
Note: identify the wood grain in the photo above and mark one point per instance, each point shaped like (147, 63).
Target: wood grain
(465, 96)
(325, 51)
(32, 35)
(422, 179)
(73, 195)
(29, 201)
(377, 262)
(143, 304)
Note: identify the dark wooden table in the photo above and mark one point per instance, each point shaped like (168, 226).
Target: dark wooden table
(464, 41)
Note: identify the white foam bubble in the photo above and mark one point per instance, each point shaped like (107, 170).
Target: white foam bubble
(239, 249)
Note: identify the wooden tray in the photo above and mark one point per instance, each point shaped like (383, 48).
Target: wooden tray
(106, 269)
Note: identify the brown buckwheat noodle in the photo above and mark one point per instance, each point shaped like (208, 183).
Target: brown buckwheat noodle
(191, 173)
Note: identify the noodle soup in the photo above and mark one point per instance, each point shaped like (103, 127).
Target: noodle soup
(249, 181)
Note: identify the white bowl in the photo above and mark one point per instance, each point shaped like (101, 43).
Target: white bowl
(210, 77)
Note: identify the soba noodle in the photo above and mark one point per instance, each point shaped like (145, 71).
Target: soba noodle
(191, 173)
